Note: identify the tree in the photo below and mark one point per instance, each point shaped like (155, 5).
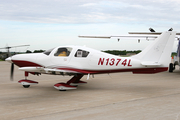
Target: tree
(28, 51)
(121, 52)
(38, 51)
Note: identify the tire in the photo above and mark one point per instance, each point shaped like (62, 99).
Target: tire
(171, 67)
(62, 90)
(26, 86)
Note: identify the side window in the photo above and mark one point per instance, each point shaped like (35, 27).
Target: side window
(81, 53)
(63, 52)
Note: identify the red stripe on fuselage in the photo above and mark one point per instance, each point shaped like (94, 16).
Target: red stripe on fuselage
(22, 63)
(135, 70)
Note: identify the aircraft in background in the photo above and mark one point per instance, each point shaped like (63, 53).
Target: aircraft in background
(176, 60)
(153, 32)
(9, 47)
(148, 35)
(78, 61)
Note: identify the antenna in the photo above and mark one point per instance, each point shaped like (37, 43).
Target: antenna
(152, 30)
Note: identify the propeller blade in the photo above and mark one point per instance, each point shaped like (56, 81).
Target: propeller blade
(12, 71)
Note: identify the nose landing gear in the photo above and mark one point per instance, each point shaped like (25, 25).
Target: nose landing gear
(25, 82)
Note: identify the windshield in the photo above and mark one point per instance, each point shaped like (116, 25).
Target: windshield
(47, 52)
(63, 51)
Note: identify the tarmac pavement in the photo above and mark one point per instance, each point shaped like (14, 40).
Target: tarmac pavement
(118, 96)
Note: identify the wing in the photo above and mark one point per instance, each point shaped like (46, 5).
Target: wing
(121, 36)
(48, 70)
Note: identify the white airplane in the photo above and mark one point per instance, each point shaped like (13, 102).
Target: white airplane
(79, 61)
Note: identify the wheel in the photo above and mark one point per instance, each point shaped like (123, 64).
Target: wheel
(62, 90)
(171, 67)
(26, 86)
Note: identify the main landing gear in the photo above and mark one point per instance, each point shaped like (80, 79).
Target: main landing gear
(71, 84)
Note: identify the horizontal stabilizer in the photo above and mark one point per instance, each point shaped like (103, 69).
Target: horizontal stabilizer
(148, 63)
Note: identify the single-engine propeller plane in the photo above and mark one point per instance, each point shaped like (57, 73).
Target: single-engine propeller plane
(78, 61)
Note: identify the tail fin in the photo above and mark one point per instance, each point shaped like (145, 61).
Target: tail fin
(159, 52)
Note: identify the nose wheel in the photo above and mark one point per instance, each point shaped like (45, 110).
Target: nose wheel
(26, 86)
(25, 82)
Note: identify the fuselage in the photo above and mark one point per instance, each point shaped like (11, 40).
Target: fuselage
(79, 61)
(83, 60)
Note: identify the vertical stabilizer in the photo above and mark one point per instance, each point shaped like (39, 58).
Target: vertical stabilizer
(159, 52)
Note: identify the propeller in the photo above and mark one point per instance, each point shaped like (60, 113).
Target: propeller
(12, 71)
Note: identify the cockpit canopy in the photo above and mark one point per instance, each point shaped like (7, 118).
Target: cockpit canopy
(47, 52)
(65, 52)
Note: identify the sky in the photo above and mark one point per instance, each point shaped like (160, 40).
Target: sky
(44, 24)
